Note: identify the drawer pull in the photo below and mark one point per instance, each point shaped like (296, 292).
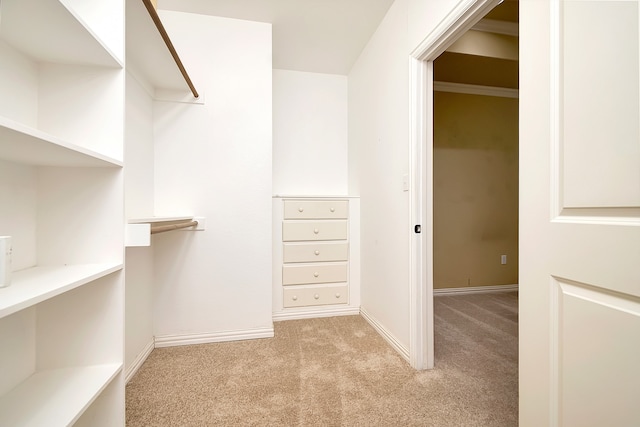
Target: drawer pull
(316, 296)
(332, 209)
(316, 231)
(317, 252)
(338, 295)
(295, 298)
(316, 274)
(301, 209)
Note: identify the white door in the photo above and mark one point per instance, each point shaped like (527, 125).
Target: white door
(579, 213)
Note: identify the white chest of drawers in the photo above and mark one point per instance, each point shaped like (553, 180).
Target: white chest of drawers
(316, 256)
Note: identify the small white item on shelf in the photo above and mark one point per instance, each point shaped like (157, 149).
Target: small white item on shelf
(5, 261)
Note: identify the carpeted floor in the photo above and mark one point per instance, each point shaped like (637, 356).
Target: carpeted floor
(339, 372)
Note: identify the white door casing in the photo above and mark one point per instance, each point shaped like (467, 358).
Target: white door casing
(579, 213)
(466, 14)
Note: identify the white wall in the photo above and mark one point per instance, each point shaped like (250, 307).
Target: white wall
(379, 157)
(138, 192)
(19, 86)
(18, 218)
(425, 15)
(138, 150)
(214, 160)
(309, 133)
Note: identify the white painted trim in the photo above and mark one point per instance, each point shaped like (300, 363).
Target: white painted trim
(463, 17)
(457, 22)
(178, 96)
(475, 290)
(388, 336)
(555, 301)
(501, 92)
(188, 339)
(139, 361)
(556, 203)
(498, 27)
(308, 313)
(421, 346)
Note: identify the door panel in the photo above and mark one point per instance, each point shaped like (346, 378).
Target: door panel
(579, 213)
(599, 105)
(596, 361)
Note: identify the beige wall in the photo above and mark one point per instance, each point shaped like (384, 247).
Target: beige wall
(475, 191)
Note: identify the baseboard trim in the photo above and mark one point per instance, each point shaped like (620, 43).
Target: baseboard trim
(189, 339)
(311, 314)
(475, 290)
(139, 360)
(388, 337)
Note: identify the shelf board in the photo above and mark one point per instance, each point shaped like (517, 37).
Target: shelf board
(37, 284)
(139, 230)
(25, 145)
(50, 31)
(156, 219)
(55, 397)
(146, 52)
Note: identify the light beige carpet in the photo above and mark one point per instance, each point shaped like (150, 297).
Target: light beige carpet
(340, 372)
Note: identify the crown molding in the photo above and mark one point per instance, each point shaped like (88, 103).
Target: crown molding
(498, 27)
(501, 92)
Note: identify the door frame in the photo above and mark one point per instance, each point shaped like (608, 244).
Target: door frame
(421, 317)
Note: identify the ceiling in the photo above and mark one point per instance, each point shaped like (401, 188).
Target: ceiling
(321, 36)
(506, 11)
(479, 69)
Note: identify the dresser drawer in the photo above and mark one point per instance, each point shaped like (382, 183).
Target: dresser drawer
(296, 231)
(309, 296)
(315, 252)
(314, 273)
(316, 209)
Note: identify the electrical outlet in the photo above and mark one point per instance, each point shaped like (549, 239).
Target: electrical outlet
(503, 259)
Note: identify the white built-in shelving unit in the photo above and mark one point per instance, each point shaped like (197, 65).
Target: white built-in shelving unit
(61, 193)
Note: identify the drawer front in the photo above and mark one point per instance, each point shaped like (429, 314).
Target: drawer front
(309, 296)
(316, 209)
(297, 231)
(315, 252)
(315, 273)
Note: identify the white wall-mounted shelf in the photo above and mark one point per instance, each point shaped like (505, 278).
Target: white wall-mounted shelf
(52, 31)
(37, 284)
(55, 397)
(25, 145)
(159, 219)
(148, 55)
(139, 230)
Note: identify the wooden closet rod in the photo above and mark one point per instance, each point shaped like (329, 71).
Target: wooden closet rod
(170, 227)
(156, 20)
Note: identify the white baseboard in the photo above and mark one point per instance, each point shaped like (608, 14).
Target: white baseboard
(310, 313)
(475, 290)
(188, 339)
(404, 352)
(139, 360)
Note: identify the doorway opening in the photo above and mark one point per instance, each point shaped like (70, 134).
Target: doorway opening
(465, 160)
(475, 197)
